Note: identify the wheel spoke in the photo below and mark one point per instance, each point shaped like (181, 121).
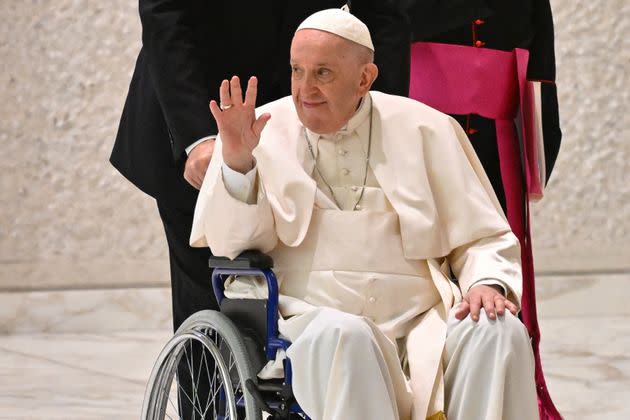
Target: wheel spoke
(209, 402)
(213, 385)
(232, 365)
(179, 404)
(179, 401)
(195, 386)
(238, 385)
(214, 395)
(179, 387)
(204, 374)
(189, 363)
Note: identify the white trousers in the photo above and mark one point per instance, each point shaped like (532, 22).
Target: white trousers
(344, 368)
(489, 369)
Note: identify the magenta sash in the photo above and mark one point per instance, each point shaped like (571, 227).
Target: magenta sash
(463, 80)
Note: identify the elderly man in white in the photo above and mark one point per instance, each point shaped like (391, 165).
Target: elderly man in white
(368, 202)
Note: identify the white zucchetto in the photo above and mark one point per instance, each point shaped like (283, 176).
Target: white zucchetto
(341, 23)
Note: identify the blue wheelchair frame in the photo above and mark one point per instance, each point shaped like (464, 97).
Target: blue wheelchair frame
(273, 342)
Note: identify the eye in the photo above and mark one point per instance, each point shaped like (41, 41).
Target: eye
(296, 71)
(323, 72)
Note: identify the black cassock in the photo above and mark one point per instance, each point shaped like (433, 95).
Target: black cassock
(502, 25)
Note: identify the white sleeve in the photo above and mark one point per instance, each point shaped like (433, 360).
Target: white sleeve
(192, 146)
(491, 282)
(491, 260)
(240, 186)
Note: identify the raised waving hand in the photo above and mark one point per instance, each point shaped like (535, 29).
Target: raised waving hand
(239, 128)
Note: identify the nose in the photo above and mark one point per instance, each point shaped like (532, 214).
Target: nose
(309, 83)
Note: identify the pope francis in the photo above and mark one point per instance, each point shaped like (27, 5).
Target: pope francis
(371, 205)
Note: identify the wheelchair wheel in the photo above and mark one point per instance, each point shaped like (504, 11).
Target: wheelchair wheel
(207, 349)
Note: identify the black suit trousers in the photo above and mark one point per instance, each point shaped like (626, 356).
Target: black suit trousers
(190, 275)
(191, 292)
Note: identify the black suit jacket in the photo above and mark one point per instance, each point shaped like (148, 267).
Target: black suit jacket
(189, 46)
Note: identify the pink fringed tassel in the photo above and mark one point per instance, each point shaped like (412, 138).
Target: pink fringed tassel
(518, 217)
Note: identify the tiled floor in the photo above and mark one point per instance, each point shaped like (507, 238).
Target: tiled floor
(587, 365)
(76, 376)
(101, 375)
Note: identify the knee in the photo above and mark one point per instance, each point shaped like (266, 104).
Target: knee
(506, 332)
(334, 329)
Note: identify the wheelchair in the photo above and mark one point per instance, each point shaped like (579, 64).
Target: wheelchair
(211, 363)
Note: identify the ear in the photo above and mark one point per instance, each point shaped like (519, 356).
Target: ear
(368, 76)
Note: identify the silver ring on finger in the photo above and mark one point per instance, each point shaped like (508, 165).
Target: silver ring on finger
(224, 107)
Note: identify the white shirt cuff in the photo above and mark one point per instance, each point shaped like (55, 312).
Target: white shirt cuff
(240, 186)
(492, 282)
(192, 146)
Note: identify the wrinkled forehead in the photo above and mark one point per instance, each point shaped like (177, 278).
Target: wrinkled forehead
(316, 44)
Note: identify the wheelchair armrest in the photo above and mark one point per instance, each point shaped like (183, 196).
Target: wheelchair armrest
(246, 259)
(221, 273)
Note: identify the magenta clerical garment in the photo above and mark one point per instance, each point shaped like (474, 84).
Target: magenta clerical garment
(489, 84)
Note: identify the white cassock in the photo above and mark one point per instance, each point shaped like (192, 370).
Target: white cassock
(366, 298)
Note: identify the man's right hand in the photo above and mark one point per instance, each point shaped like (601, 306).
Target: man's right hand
(197, 163)
(237, 123)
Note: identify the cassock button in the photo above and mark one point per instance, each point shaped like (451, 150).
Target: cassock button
(345, 171)
(372, 299)
(479, 44)
(342, 152)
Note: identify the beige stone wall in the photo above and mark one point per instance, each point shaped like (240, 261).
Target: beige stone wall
(68, 220)
(67, 217)
(584, 221)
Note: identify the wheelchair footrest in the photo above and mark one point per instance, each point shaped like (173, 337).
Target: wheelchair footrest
(253, 389)
(279, 410)
(281, 389)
